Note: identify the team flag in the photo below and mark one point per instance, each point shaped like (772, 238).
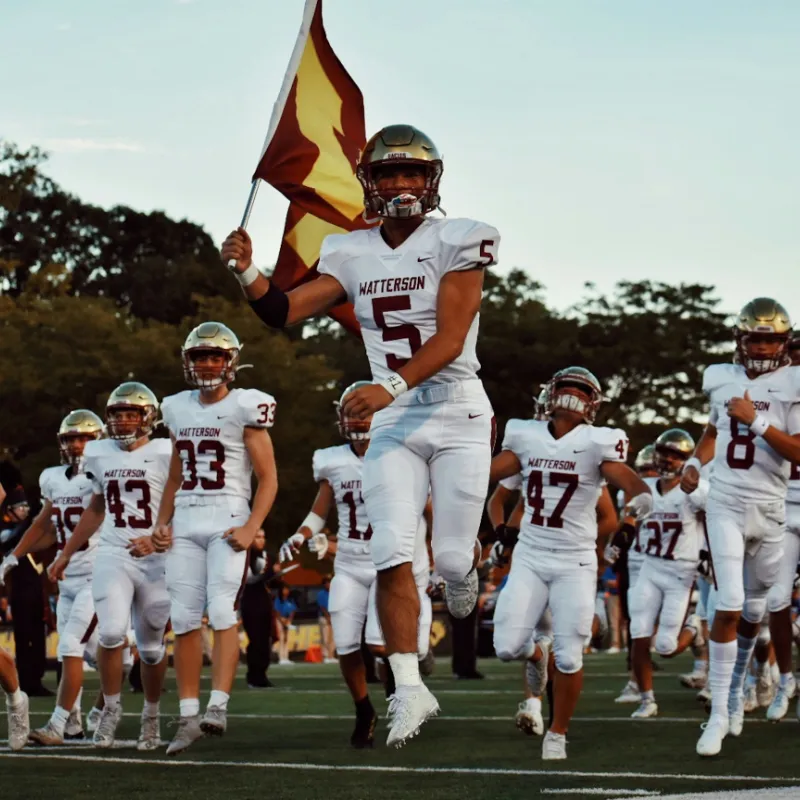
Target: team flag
(310, 154)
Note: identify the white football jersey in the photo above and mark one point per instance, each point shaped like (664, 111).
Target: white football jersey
(674, 531)
(69, 495)
(561, 480)
(343, 469)
(210, 439)
(512, 484)
(394, 292)
(745, 466)
(132, 483)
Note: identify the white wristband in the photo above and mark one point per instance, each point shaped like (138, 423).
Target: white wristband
(759, 425)
(693, 462)
(314, 522)
(248, 276)
(395, 385)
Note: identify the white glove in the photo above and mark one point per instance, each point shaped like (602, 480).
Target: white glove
(318, 544)
(610, 554)
(497, 555)
(291, 547)
(435, 582)
(640, 506)
(9, 562)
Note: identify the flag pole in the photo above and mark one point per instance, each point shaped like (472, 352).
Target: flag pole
(251, 201)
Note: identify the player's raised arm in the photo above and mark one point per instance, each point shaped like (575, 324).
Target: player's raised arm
(274, 307)
(703, 453)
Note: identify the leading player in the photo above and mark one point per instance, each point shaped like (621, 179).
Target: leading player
(752, 434)
(416, 284)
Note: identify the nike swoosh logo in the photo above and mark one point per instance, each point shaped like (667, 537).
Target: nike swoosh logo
(420, 260)
(225, 417)
(475, 416)
(584, 565)
(578, 451)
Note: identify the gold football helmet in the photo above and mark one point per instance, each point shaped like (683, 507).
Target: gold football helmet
(672, 449)
(763, 331)
(409, 145)
(645, 460)
(574, 389)
(131, 395)
(74, 427)
(210, 337)
(354, 430)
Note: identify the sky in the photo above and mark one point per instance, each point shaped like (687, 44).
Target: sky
(622, 140)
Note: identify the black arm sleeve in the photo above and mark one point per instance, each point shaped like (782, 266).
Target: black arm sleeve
(273, 307)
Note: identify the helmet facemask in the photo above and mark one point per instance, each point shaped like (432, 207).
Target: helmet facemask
(575, 390)
(669, 461)
(130, 430)
(208, 376)
(760, 363)
(350, 428)
(402, 205)
(71, 446)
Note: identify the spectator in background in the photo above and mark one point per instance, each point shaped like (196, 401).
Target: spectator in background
(26, 598)
(285, 609)
(325, 630)
(257, 614)
(611, 585)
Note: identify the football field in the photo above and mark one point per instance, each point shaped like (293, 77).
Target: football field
(293, 742)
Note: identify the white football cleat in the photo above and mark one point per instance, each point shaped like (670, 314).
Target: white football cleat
(189, 731)
(149, 733)
(409, 708)
(765, 690)
(779, 707)
(704, 695)
(536, 672)
(554, 747)
(19, 726)
(74, 727)
(461, 596)
(93, 719)
(106, 731)
(714, 731)
(630, 694)
(215, 721)
(47, 736)
(694, 680)
(735, 713)
(648, 708)
(750, 699)
(529, 717)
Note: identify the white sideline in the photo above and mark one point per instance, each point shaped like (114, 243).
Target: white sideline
(286, 765)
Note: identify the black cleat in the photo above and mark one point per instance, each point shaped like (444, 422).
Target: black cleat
(364, 733)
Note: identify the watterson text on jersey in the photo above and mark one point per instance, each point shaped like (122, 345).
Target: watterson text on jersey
(125, 473)
(549, 463)
(190, 432)
(410, 283)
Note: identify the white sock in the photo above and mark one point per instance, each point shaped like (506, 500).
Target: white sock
(218, 698)
(95, 710)
(112, 700)
(775, 672)
(405, 669)
(76, 706)
(700, 665)
(721, 660)
(190, 707)
(744, 652)
(150, 709)
(785, 679)
(14, 699)
(59, 719)
(648, 696)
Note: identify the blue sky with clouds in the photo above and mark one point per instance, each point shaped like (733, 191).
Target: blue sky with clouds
(606, 141)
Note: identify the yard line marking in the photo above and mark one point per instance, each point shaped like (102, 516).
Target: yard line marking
(287, 765)
(605, 792)
(465, 718)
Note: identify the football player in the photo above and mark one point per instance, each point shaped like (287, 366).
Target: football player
(564, 462)
(780, 595)
(66, 491)
(752, 435)
(338, 471)
(205, 520)
(416, 284)
(671, 539)
(628, 571)
(128, 471)
(16, 703)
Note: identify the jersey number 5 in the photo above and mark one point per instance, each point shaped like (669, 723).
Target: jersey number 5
(394, 333)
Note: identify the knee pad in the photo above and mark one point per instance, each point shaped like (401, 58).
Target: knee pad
(390, 550)
(666, 643)
(568, 654)
(70, 646)
(346, 633)
(111, 641)
(764, 636)
(221, 613)
(507, 650)
(454, 564)
(152, 655)
(755, 606)
(779, 597)
(185, 619)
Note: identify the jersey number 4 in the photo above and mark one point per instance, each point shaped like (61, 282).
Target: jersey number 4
(536, 500)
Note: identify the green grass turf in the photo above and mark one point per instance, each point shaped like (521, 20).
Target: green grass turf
(475, 734)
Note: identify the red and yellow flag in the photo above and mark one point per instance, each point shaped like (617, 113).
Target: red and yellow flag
(310, 154)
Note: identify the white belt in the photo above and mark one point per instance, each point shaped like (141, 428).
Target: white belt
(441, 392)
